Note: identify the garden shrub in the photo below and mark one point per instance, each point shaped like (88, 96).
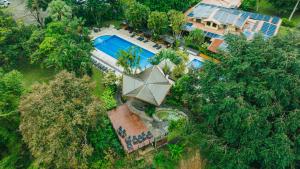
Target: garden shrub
(150, 110)
(288, 23)
(108, 99)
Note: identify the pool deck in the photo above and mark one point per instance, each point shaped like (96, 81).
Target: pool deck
(124, 34)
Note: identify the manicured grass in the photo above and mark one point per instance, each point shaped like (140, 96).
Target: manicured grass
(97, 79)
(35, 74)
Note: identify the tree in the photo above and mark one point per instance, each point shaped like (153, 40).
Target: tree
(195, 39)
(36, 7)
(294, 10)
(130, 60)
(249, 5)
(59, 10)
(137, 15)
(55, 119)
(65, 46)
(166, 5)
(12, 37)
(177, 20)
(158, 23)
(12, 152)
(248, 105)
(284, 7)
(176, 57)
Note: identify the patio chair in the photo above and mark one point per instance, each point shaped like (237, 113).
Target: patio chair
(133, 35)
(159, 46)
(155, 46)
(129, 146)
(140, 38)
(149, 135)
(134, 140)
(145, 41)
(128, 139)
(140, 138)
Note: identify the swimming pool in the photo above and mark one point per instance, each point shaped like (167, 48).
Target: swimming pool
(113, 44)
(196, 64)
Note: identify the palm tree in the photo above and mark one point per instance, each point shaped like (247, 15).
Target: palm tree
(130, 60)
(294, 10)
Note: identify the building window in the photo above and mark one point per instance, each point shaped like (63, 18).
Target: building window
(208, 23)
(214, 25)
(198, 20)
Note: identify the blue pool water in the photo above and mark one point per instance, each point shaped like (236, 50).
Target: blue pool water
(112, 45)
(195, 63)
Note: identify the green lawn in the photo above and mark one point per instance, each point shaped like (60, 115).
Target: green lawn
(97, 78)
(35, 74)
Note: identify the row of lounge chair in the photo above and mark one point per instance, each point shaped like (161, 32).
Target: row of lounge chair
(100, 65)
(145, 40)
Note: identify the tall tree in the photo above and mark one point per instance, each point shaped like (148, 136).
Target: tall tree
(284, 7)
(12, 37)
(36, 7)
(137, 15)
(65, 46)
(55, 119)
(248, 105)
(294, 10)
(59, 10)
(195, 39)
(12, 152)
(158, 23)
(177, 20)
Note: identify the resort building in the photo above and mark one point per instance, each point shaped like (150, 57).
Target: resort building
(218, 21)
(224, 3)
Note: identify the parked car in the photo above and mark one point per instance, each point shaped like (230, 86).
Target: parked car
(4, 3)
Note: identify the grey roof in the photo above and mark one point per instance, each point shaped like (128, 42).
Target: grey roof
(150, 86)
(221, 15)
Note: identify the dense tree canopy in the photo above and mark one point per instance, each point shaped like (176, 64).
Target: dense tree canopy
(12, 37)
(158, 23)
(249, 104)
(65, 46)
(55, 119)
(137, 15)
(285, 6)
(166, 5)
(12, 152)
(59, 10)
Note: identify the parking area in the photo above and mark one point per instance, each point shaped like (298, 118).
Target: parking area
(18, 9)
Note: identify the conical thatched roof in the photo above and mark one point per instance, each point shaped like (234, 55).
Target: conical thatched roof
(150, 86)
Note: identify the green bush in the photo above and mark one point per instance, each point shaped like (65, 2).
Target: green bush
(175, 151)
(287, 23)
(108, 99)
(150, 110)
